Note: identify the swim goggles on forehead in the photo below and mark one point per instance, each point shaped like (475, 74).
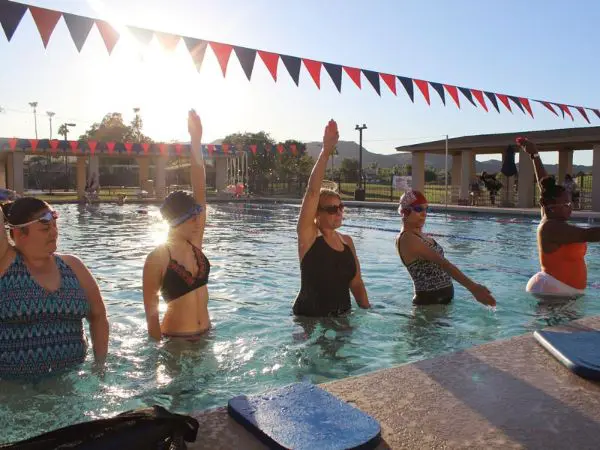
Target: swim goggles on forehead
(44, 219)
(193, 211)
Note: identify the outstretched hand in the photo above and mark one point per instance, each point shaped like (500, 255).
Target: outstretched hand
(483, 295)
(194, 126)
(527, 145)
(330, 137)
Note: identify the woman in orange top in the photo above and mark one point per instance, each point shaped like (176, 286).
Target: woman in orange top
(561, 246)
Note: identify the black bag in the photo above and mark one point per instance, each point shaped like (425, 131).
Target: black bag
(509, 168)
(149, 428)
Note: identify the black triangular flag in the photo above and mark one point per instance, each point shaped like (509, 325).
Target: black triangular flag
(79, 27)
(335, 72)
(439, 88)
(467, 93)
(373, 78)
(197, 49)
(492, 97)
(10, 16)
(517, 102)
(408, 85)
(143, 35)
(246, 56)
(292, 64)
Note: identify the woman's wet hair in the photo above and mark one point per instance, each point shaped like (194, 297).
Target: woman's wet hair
(550, 190)
(176, 205)
(22, 210)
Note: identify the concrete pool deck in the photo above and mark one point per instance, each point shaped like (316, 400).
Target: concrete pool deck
(505, 394)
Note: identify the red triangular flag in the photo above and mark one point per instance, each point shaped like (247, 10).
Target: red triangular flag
(211, 149)
(12, 143)
(45, 20)
(73, 145)
(453, 91)
(92, 145)
(163, 149)
(253, 149)
(267, 148)
(111, 147)
(479, 97)
(280, 148)
(178, 149)
(549, 106)
(128, 147)
(525, 102)
(293, 149)
(354, 75)
(566, 109)
(34, 144)
(582, 112)
(54, 145)
(222, 52)
(504, 99)
(110, 36)
(145, 147)
(314, 69)
(167, 40)
(225, 148)
(390, 80)
(271, 61)
(424, 88)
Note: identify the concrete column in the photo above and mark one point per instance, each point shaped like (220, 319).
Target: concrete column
(418, 171)
(144, 172)
(526, 180)
(95, 168)
(10, 174)
(455, 175)
(18, 185)
(507, 191)
(160, 184)
(3, 172)
(221, 174)
(565, 164)
(596, 173)
(466, 174)
(81, 177)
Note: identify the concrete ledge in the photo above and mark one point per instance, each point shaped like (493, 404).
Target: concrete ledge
(506, 394)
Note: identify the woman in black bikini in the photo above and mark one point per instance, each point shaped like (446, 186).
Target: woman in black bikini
(328, 264)
(424, 258)
(179, 269)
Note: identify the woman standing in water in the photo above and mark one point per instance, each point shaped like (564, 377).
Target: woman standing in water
(179, 269)
(424, 258)
(329, 267)
(561, 246)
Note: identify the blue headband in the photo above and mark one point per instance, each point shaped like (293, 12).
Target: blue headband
(193, 211)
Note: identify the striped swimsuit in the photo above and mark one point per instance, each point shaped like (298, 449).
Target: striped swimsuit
(40, 331)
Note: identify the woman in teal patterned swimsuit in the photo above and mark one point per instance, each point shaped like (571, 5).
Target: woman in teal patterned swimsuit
(44, 297)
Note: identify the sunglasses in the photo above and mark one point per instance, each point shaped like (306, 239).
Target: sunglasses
(193, 211)
(332, 209)
(419, 208)
(568, 205)
(44, 219)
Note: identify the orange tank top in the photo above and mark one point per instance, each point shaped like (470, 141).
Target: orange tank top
(567, 264)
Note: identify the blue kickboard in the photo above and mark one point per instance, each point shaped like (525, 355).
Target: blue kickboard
(304, 416)
(579, 350)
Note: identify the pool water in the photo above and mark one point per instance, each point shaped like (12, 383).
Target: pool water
(256, 343)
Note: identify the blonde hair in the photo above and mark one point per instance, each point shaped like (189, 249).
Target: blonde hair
(329, 185)
(328, 193)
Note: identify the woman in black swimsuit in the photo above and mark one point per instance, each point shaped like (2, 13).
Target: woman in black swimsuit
(179, 269)
(424, 258)
(328, 264)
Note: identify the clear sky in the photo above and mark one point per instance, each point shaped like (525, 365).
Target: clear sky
(544, 49)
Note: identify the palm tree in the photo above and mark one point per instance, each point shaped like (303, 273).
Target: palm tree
(63, 131)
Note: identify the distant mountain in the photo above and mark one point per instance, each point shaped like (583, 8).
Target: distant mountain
(350, 149)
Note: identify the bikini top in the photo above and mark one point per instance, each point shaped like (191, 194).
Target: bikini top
(178, 281)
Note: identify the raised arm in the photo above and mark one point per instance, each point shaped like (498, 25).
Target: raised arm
(531, 149)
(417, 248)
(152, 277)
(198, 171)
(306, 228)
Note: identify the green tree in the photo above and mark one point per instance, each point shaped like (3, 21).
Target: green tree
(349, 170)
(112, 128)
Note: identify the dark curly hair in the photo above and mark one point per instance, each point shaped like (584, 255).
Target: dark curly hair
(23, 209)
(550, 190)
(176, 205)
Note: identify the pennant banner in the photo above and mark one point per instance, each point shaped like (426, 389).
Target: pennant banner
(12, 13)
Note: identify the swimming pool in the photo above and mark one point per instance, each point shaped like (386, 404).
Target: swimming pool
(256, 344)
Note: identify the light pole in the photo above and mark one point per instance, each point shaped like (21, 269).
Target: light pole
(34, 106)
(50, 115)
(65, 132)
(360, 192)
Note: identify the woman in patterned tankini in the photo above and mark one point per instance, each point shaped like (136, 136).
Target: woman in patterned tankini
(44, 297)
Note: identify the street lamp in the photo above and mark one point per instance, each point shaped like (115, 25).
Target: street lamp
(50, 115)
(34, 106)
(359, 194)
(65, 132)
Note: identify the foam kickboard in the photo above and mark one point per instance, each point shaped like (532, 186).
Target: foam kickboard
(304, 416)
(579, 351)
